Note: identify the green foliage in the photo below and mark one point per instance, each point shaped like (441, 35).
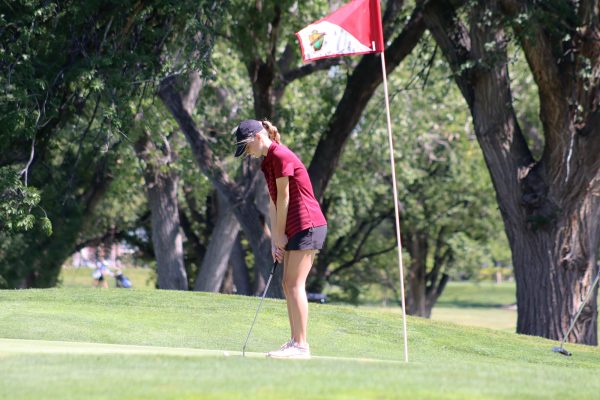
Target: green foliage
(82, 77)
(124, 202)
(250, 25)
(441, 172)
(55, 57)
(445, 192)
(17, 203)
(72, 76)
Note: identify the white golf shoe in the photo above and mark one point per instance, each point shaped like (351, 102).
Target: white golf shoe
(291, 351)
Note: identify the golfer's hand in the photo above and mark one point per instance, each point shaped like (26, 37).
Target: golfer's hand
(277, 254)
(278, 244)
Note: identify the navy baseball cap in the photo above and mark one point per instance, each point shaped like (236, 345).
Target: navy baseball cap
(245, 131)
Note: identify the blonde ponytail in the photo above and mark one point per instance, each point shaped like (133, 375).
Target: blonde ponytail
(271, 131)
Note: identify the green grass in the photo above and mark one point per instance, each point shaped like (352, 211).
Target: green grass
(446, 360)
(478, 295)
(493, 318)
(483, 304)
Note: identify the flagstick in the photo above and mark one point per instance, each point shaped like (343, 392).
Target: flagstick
(393, 165)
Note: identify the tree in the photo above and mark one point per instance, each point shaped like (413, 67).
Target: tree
(448, 213)
(549, 204)
(77, 67)
(447, 201)
(271, 76)
(255, 33)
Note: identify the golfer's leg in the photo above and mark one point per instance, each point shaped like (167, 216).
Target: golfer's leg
(299, 264)
(285, 291)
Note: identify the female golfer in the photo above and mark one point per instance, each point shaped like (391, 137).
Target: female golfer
(298, 227)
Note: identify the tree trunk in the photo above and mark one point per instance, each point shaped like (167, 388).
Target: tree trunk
(415, 295)
(215, 262)
(425, 281)
(241, 278)
(554, 269)
(227, 285)
(550, 210)
(161, 190)
(198, 249)
(550, 207)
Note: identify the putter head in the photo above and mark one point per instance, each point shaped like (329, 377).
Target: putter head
(562, 351)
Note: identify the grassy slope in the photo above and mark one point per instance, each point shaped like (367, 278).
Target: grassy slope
(446, 361)
(483, 304)
(464, 303)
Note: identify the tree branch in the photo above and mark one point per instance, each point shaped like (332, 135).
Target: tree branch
(541, 53)
(274, 32)
(355, 260)
(452, 37)
(567, 99)
(438, 260)
(299, 73)
(209, 163)
(364, 229)
(392, 10)
(191, 97)
(504, 147)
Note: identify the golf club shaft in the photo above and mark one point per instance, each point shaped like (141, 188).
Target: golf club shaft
(585, 300)
(259, 305)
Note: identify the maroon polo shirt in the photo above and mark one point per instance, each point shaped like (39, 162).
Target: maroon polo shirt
(303, 211)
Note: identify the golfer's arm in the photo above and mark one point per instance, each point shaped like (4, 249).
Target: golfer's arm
(272, 215)
(283, 201)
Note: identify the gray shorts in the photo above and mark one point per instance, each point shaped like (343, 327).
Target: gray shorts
(308, 239)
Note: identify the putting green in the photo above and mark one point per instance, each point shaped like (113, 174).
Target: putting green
(62, 347)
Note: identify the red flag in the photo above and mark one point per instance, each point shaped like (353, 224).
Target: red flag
(354, 28)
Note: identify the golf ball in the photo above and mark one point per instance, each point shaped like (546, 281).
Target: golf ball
(226, 353)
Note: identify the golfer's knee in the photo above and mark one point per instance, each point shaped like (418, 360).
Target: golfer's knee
(292, 288)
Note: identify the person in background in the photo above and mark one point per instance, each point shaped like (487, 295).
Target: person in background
(102, 271)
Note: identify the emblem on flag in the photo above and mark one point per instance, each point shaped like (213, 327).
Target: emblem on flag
(316, 40)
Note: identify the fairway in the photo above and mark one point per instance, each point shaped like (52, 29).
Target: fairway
(118, 344)
(483, 304)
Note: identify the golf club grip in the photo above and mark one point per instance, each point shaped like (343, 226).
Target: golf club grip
(274, 267)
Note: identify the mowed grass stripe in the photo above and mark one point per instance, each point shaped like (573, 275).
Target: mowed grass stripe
(62, 347)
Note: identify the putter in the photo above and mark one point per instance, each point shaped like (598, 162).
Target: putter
(560, 349)
(259, 305)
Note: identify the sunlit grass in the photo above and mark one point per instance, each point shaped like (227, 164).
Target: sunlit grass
(446, 360)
